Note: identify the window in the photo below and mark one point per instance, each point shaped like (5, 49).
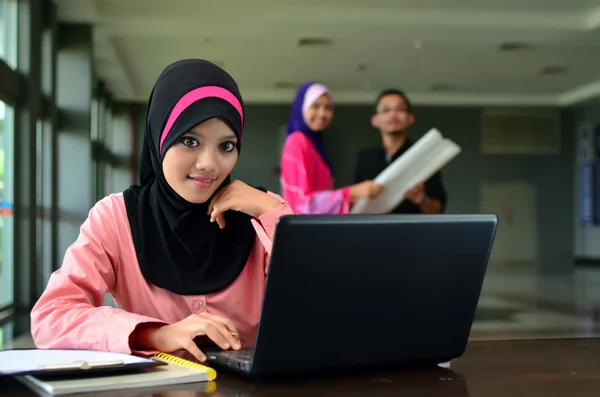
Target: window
(6, 207)
(6, 334)
(8, 32)
(44, 201)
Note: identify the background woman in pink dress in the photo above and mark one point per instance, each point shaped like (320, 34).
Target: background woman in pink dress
(306, 171)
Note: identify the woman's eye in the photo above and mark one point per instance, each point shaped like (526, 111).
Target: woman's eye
(227, 146)
(189, 141)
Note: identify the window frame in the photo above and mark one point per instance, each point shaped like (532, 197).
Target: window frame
(10, 83)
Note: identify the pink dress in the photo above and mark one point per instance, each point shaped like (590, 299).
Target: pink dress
(70, 315)
(306, 181)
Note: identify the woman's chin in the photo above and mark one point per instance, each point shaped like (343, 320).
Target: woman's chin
(198, 197)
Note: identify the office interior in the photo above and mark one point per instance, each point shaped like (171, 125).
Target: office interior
(515, 84)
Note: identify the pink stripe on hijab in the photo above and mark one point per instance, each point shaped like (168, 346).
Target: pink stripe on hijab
(196, 95)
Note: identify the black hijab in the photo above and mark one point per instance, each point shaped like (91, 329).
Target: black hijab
(177, 247)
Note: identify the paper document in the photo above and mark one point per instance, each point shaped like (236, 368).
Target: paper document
(34, 360)
(423, 159)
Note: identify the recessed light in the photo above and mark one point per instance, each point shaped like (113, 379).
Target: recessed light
(553, 70)
(314, 41)
(513, 46)
(417, 44)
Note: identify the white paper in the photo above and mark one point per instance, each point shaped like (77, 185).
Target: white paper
(17, 361)
(423, 159)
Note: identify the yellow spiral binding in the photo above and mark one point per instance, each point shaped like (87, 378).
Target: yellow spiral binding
(212, 374)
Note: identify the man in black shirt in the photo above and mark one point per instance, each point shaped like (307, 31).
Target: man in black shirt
(393, 116)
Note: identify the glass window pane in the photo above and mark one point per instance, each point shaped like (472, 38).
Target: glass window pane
(8, 32)
(6, 204)
(46, 201)
(47, 71)
(6, 335)
(101, 120)
(107, 179)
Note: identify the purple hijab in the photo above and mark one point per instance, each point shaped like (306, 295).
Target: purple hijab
(297, 123)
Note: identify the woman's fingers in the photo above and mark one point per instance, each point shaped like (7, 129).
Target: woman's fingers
(193, 349)
(225, 321)
(218, 334)
(227, 329)
(215, 200)
(217, 215)
(220, 220)
(218, 209)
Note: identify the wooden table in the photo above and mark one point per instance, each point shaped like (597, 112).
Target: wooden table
(522, 368)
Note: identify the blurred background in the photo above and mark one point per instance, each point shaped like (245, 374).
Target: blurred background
(515, 83)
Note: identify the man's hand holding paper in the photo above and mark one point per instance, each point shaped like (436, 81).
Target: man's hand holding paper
(416, 194)
(404, 177)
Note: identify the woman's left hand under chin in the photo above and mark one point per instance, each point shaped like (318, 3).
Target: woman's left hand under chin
(238, 196)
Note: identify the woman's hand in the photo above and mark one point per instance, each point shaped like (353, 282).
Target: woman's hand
(238, 196)
(180, 335)
(366, 189)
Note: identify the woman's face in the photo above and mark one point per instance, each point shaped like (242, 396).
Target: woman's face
(318, 116)
(197, 164)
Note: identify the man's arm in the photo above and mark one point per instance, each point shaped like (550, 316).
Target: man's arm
(435, 196)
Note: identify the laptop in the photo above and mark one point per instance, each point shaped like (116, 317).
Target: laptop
(359, 291)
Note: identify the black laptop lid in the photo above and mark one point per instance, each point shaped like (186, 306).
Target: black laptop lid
(357, 290)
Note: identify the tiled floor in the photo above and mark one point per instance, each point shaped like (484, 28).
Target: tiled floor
(513, 305)
(529, 305)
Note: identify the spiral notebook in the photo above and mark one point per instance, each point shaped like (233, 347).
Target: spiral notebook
(176, 371)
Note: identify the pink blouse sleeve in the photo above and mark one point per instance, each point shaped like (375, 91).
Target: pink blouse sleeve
(69, 314)
(266, 223)
(299, 189)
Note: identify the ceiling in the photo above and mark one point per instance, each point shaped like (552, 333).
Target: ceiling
(442, 52)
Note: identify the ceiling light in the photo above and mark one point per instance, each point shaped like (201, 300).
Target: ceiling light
(553, 70)
(513, 46)
(314, 41)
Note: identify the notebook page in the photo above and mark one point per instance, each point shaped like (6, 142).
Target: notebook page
(16, 361)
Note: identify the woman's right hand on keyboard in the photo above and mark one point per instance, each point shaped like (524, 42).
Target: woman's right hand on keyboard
(181, 335)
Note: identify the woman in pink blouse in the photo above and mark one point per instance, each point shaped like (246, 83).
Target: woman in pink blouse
(306, 171)
(185, 254)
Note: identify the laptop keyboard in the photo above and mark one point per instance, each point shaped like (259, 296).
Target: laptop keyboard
(245, 353)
